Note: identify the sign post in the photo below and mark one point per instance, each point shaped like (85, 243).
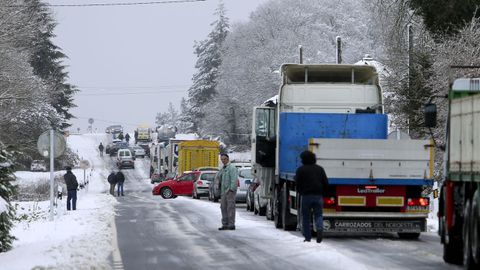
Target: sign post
(51, 144)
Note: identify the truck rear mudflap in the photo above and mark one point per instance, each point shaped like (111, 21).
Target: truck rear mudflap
(374, 226)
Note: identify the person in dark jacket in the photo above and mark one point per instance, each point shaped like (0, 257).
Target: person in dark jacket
(112, 181)
(100, 148)
(127, 137)
(312, 183)
(72, 185)
(120, 178)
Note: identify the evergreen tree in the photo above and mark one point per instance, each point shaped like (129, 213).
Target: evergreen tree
(7, 191)
(46, 60)
(209, 59)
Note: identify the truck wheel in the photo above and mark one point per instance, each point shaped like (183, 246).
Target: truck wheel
(468, 234)
(277, 206)
(409, 235)
(289, 221)
(476, 228)
(166, 193)
(262, 211)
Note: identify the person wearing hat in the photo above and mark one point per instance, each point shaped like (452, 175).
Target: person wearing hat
(72, 185)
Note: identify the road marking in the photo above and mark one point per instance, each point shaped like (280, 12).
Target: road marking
(117, 257)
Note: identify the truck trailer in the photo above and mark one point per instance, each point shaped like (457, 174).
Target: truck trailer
(377, 184)
(459, 202)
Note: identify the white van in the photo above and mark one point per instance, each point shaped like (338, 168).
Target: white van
(125, 159)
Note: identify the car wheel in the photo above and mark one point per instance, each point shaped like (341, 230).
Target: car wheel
(166, 193)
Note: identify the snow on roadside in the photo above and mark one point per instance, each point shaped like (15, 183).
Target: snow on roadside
(80, 239)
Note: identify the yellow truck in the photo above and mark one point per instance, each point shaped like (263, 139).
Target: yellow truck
(197, 153)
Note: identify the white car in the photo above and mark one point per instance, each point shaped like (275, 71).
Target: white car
(138, 151)
(38, 166)
(125, 159)
(245, 178)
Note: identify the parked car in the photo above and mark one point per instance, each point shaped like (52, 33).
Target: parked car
(38, 166)
(116, 146)
(250, 194)
(202, 183)
(245, 178)
(213, 191)
(146, 147)
(137, 151)
(181, 185)
(125, 159)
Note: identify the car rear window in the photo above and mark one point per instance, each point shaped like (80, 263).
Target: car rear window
(208, 176)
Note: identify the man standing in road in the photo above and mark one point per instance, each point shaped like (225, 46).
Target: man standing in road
(228, 190)
(100, 148)
(112, 181)
(120, 178)
(312, 182)
(72, 185)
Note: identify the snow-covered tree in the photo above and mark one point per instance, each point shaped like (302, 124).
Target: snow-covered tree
(254, 51)
(170, 117)
(7, 190)
(209, 59)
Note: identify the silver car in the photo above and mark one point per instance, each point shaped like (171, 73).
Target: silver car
(202, 183)
(245, 177)
(137, 151)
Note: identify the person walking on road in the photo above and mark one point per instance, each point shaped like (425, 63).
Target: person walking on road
(312, 183)
(127, 137)
(100, 148)
(120, 178)
(112, 181)
(72, 185)
(228, 191)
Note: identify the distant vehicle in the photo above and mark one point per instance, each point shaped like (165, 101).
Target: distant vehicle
(137, 151)
(239, 165)
(125, 159)
(116, 146)
(144, 134)
(114, 129)
(38, 166)
(202, 182)
(245, 178)
(197, 153)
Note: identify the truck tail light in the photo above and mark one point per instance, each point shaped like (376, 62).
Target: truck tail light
(418, 201)
(328, 201)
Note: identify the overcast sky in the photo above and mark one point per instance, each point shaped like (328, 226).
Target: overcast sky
(130, 61)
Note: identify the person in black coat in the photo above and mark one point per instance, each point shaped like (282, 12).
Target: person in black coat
(72, 185)
(312, 183)
(120, 178)
(112, 181)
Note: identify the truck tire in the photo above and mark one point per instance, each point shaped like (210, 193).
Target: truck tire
(277, 205)
(289, 221)
(468, 235)
(476, 228)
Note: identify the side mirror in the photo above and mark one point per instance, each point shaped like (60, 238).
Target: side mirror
(430, 114)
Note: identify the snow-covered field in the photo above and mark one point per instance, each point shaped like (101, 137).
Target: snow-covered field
(80, 239)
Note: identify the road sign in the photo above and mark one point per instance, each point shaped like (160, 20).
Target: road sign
(43, 144)
(90, 121)
(84, 164)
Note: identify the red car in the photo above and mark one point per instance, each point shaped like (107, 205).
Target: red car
(181, 185)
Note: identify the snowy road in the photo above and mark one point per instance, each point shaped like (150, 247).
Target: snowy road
(181, 233)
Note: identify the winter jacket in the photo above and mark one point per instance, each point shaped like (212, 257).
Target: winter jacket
(311, 180)
(228, 178)
(100, 147)
(111, 178)
(120, 178)
(71, 181)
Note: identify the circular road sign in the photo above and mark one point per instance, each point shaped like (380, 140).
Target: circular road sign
(90, 121)
(84, 164)
(43, 144)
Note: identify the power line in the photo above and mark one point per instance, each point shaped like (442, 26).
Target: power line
(133, 93)
(114, 4)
